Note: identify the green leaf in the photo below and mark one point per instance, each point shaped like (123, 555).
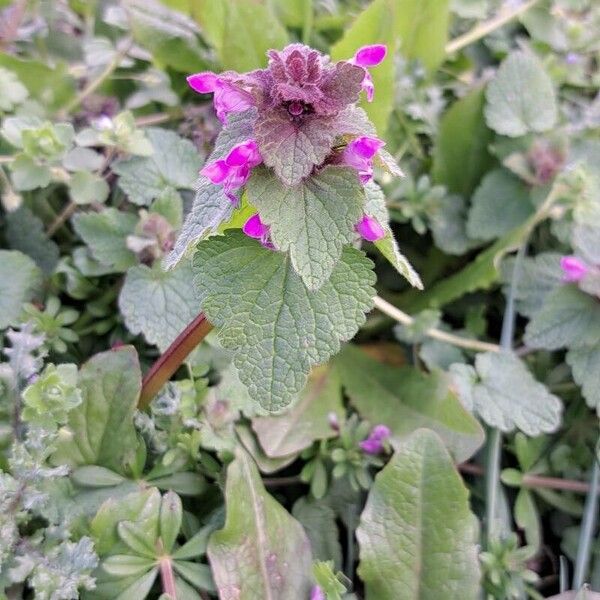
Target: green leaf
(319, 522)
(159, 304)
(312, 220)
(137, 539)
(521, 98)
(25, 232)
(241, 32)
(276, 328)
(127, 565)
(20, 279)
(500, 203)
(568, 318)
(86, 187)
(29, 175)
(262, 552)
(460, 154)
(97, 477)
(585, 364)
(102, 425)
(265, 463)
(175, 163)
(417, 536)
(306, 420)
(13, 91)
(504, 393)
(195, 546)
(105, 234)
(170, 520)
(197, 574)
(405, 399)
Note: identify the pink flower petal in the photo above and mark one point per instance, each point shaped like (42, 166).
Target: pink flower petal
(229, 99)
(255, 228)
(365, 146)
(370, 56)
(245, 153)
(316, 593)
(380, 432)
(368, 86)
(216, 171)
(203, 83)
(370, 446)
(574, 269)
(369, 229)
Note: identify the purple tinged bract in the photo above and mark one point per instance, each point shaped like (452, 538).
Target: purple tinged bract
(359, 154)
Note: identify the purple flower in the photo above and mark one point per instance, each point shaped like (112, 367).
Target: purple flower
(317, 593)
(256, 229)
(233, 171)
(359, 154)
(369, 229)
(227, 96)
(574, 269)
(374, 443)
(572, 58)
(369, 56)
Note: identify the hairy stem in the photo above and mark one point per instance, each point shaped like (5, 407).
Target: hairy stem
(166, 365)
(485, 28)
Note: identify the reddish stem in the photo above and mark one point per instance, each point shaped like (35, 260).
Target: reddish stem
(162, 370)
(167, 577)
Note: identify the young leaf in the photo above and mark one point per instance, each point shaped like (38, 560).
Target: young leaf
(405, 399)
(504, 393)
(417, 541)
(307, 420)
(102, 425)
(521, 98)
(277, 328)
(20, 278)
(262, 552)
(170, 520)
(159, 304)
(313, 220)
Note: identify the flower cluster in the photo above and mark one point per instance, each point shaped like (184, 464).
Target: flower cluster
(374, 444)
(303, 117)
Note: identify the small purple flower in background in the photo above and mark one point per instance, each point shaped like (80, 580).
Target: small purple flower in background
(256, 229)
(574, 269)
(369, 229)
(317, 593)
(227, 97)
(572, 58)
(233, 171)
(333, 421)
(365, 57)
(374, 443)
(359, 154)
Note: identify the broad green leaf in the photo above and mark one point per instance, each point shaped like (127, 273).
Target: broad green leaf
(460, 155)
(241, 32)
(568, 318)
(261, 552)
(86, 187)
(20, 279)
(417, 536)
(312, 220)
(306, 420)
(319, 522)
(405, 399)
(105, 234)
(520, 98)
(276, 328)
(585, 364)
(175, 163)
(504, 393)
(27, 174)
(102, 425)
(499, 204)
(159, 304)
(25, 232)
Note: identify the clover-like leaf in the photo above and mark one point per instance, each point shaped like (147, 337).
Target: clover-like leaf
(276, 327)
(520, 98)
(159, 304)
(504, 393)
(262, 552)
(417, 536)
(313, 220)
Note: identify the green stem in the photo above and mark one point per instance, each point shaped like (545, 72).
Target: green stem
(588, 527)
(492, 481)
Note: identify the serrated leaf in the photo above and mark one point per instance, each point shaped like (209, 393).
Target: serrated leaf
(307, 420)
(568, 318)
(86, 187)
(261, 552)
(499, 204)
(417, 542)
(27, 175)
(504, 393)
(405, 399)
(20, 279)
(102, 425)
(159, 304)
(585, 364)
(175, 163)
(105, 234)
(520, 98)
(312, 220)
(460, 155)
(276, 328)
(25, 232)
